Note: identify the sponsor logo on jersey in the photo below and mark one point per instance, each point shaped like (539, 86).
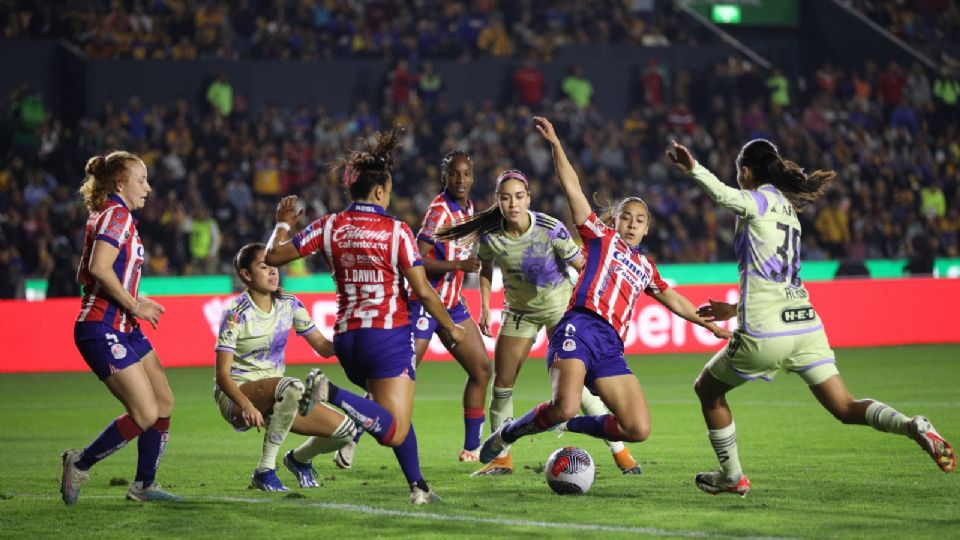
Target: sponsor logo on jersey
(347, 260)
(796, 315)
(422, 323)
(569, 345)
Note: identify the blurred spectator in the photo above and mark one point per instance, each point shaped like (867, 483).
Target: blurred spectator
(529, 83)
(204, 242)
(576, 87)
(220, 95)
(429, 85)
(401, 84)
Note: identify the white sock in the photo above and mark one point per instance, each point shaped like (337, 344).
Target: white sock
(724, 443)
(324, 445)
(501, 407)
(883, 417)
(592, 405)
(287, 396)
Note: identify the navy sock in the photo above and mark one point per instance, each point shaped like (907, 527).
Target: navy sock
(116, 435)
(150, 447)
(369, 415)
(595, 426)
(408, 458)
(535, 421)
(472, 427)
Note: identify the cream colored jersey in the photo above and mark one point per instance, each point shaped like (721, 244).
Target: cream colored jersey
(257, 339)
(773, 300)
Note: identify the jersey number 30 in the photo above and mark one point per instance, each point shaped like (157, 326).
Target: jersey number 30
(789, 253)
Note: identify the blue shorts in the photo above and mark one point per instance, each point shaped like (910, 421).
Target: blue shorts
(585, 336)
(376, 353)
(424, 325)
(107, 350)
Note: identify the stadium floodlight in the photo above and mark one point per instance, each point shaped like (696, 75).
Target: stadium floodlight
(725, 14)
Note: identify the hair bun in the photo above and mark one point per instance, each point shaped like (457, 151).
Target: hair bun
(95, 165)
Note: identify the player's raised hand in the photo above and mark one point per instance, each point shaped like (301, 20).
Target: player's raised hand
(717, 311)
(546, 129)
(681, 157)
(469, 265)
(148, 310)
(288, 212)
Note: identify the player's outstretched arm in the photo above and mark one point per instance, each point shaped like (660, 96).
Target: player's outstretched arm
(450, 333)
(280, 250)
(320, 343)
(717, 311)
(569, 181)
(745, 203)
(679, 304)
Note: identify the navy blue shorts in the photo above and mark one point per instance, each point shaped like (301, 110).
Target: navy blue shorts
(424, 325)
(107, 350)
(593, 341)
(376, 353)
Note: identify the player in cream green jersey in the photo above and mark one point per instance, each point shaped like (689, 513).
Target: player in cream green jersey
(779, 327)
(251, 388)
(533, 251)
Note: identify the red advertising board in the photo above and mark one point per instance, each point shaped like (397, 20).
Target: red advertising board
(856, 313)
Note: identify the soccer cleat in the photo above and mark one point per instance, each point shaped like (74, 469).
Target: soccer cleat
(494, 445)
(715, 483)
(420, 496)
(344, 456)
(72, 477)
(303, 471)
(316, 390)
(626, 463)
(499, 465)
(469, 455)
(922, 431)
(151, 493)
(267, 481)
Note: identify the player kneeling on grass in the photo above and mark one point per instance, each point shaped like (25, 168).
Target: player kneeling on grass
(778, 326)
(252, 390)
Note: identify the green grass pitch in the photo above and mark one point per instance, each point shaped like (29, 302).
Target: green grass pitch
(812, 477)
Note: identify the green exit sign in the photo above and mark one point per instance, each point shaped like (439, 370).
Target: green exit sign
(725, 14)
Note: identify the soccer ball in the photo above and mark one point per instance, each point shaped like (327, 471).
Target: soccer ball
(569, 471)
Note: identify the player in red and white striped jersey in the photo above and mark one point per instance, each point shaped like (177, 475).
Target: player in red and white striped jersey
(369, 253)
(107, 333)
(587, 346)
(445, 264)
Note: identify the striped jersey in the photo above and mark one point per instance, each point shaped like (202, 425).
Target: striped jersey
(445, 212)
(773, 300)
(116, 226)
(533, 264)
(613, 276)
(366, 251)
(258, 339)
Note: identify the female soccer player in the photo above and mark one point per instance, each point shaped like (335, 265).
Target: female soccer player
(587, 345)
(252, 390)
(778, 326)
(445, 264)
(369, 254)
(107, 332)
(533, 251)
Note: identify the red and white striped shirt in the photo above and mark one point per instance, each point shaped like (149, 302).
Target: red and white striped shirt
(367, 251)
(445, 212)
(613, 275)
(115, 225)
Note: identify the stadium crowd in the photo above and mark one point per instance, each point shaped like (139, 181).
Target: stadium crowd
(217, 170)
(305, 30)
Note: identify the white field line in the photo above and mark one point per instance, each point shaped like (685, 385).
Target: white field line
(431, 516)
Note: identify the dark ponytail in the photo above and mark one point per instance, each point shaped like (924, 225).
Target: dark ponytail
(468, 230)
(362, 170)
(762, 157)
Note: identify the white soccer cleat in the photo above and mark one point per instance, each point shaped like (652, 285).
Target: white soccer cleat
(419, 496)
(72, 477)
(922, 431)
(494, 445)
(151, 493)
(316, 390)
(715, 483)
(343, 458)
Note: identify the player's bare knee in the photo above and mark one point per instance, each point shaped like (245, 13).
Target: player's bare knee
(706, 394)
(399, 436)
(565, 410)
(165, 405)
(635, 431)
(145, 416)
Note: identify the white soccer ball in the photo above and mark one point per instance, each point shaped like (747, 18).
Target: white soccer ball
(570, 470)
